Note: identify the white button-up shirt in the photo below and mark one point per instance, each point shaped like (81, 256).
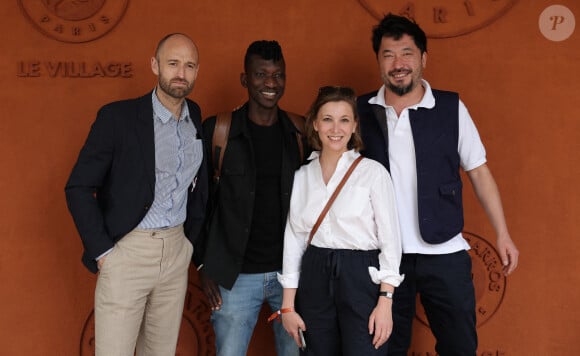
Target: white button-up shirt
(363, 217)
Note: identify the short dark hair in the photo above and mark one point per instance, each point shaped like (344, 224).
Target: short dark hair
(325, 95)
(268, 50)
(395, 27)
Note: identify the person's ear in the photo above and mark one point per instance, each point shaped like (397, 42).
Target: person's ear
(154, 66)
(244, 79)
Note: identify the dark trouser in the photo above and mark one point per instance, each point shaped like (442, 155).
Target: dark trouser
(335, 298)
(447, 294)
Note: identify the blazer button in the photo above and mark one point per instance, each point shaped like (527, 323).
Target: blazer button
(146, 207)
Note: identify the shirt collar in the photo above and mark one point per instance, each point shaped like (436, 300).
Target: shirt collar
(427, 101)
(161, 112)
(351, 155)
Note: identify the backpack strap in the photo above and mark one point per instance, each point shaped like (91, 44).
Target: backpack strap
(220, 141)
(221, 132)
(298, 121)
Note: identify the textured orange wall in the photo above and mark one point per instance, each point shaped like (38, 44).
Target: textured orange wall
(520, 88)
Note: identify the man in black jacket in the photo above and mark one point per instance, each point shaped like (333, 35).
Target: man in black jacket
(242, 252)
(138, 195)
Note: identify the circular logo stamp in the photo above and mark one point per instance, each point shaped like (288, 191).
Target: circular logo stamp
(557, 23)
(442, 18)
(488, 280)
(196, 335)
(74, 21)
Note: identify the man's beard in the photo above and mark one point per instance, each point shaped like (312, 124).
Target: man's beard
(400, 91)
(404, 89)
(177, 93)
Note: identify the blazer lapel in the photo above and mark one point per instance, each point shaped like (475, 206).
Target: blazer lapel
(195, 116)
(146, 136)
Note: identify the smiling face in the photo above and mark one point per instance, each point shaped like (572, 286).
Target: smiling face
(265, 81)
(176, 65)
(335, 124)
(401, 64)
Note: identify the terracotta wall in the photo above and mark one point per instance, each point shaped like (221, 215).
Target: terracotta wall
(520, 87)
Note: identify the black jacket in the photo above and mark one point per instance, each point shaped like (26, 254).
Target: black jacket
(230, 211)
(112, 184)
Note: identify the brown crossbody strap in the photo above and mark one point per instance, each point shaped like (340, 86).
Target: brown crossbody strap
(220, 141)
(333, 197)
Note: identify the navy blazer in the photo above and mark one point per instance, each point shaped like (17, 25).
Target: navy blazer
(112, 184)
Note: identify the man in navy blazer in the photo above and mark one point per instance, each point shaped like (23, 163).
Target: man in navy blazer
(137, 194)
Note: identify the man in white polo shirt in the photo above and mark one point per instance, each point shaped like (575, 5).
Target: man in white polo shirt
(423, 137)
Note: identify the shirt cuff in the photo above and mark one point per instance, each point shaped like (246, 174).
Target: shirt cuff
(289, 280)
(389, 277)
(104, 254)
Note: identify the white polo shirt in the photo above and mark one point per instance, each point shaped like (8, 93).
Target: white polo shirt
(403, 169)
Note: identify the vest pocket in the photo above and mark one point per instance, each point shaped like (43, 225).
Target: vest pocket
(451, 192)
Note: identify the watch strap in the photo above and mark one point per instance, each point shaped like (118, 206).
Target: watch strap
(386, 294)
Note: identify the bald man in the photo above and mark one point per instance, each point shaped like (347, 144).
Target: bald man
(137, 195)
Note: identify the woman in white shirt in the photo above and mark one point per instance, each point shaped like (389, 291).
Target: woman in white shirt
(338, 290)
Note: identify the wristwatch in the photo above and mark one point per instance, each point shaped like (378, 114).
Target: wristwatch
(386, 294)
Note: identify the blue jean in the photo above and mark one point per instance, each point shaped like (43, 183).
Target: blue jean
(234, 322)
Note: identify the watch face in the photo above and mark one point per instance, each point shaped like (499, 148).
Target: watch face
(442, 18)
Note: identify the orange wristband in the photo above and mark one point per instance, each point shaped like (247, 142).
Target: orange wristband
(276, 314)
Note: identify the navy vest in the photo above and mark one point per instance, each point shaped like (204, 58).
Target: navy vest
(435, 135)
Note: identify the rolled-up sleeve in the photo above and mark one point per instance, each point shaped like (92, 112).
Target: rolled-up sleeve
(294, 247)
(295, 241)
(388, 232)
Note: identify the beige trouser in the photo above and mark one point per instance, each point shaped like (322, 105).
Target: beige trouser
(140, 292)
